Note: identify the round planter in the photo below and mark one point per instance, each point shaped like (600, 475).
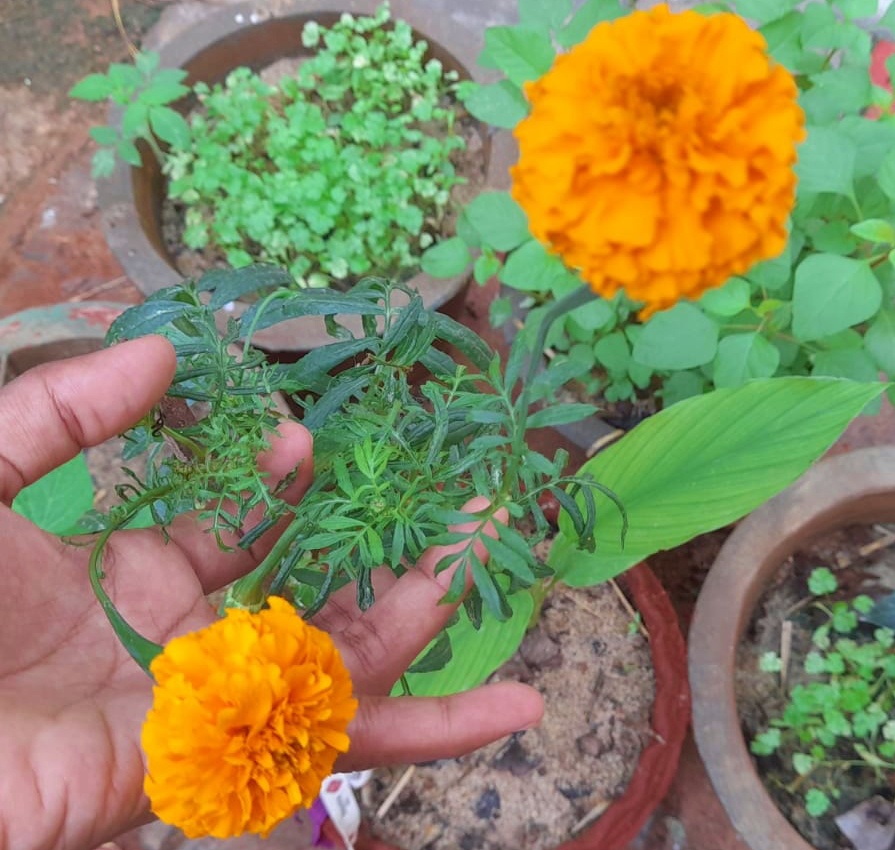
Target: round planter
(854, 488)
(248, 34)
(621, 822)
(42, 334)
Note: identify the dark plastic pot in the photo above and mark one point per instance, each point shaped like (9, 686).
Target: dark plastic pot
(857, 488)
(247, 34)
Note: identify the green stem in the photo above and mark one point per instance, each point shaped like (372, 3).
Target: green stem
(248, 592)
(140, 648)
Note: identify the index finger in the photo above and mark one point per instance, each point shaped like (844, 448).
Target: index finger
(53, 411)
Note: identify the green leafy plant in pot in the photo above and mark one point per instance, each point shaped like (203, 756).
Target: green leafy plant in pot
(820, 303)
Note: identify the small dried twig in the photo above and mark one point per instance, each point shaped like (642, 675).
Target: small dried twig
(876, 545)
(605, 440)
(116, 13)
(785, 651)
(629, 608)
(393, 795)
(591, 816)
(96, 290)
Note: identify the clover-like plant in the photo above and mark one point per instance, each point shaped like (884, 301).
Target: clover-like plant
(842, 718)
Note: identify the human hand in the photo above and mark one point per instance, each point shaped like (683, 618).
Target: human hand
(72, 701)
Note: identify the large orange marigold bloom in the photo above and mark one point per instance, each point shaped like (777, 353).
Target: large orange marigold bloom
(658, 155)
(247, 719)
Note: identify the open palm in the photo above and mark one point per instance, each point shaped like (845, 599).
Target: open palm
(72, 702)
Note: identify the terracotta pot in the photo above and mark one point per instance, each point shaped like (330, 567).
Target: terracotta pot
(655, 770)
(247, 34)
(42, 334)
(850, 489)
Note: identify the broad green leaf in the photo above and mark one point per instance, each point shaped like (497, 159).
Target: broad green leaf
(146, 62)
(774, 273)
(93, 87)
(873, 141)
(705, 462)
(499, 104)
(170, 127)
(681, 386)
(835, 93)
(125, 78)
(728, 300)
(313, 302)
(499, 220)
(541, 15)
(832, 293)
(858, 8)
(522, 53)
(447, 258)
(880, 341)
(127, 150)
(827, 162)
(529, 268)
(886, 176)
(783, 38)
(161, 93)
(57, 501)
(104, 135)
(678, 338)
(613, 352)
(852, 363)
(592, 316)
(875, 230)
(591, 13)
(103, 163)
(476, 654)
(762, 11)
(742, 357)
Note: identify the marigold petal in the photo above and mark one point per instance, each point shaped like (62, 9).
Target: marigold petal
(248, 717)
(658, 154)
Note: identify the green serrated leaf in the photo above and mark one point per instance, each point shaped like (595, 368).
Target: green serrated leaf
(499, 220)
(500, 104)
(679, 338)
(742, 357)
(832, 293)
(93, 87)
(589, 14)
(447, 258)
(522, 53)
(170, 127)
(827, 162)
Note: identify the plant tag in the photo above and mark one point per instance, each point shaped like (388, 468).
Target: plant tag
(341, 805)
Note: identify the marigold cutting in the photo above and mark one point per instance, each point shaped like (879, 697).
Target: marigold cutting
(658, 155)
(248, 717)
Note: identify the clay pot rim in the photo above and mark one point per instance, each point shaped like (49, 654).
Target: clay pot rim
(61, 322)
(121, 220)
(670, 718)
(857, 487)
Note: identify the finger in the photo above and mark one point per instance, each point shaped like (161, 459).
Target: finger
(341, 609)
(399, 730)
(53, 411)
(291, 450)
(379, 645)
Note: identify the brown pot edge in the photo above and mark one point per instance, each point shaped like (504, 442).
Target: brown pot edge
(121, 222)
(855, 487)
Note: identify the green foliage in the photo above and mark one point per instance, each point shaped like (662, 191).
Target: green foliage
(341, 169)
(785, 316)
(143, 91)
(704, 463)
(841, 719)
(57, 501)
(394, 462)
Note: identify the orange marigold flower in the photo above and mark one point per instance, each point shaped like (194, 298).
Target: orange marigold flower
(658, 156)
(247, 719)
